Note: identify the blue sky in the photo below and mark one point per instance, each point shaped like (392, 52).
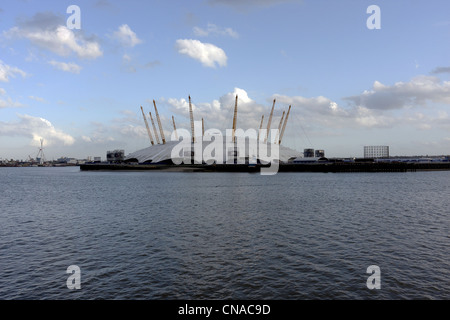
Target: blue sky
(349, 86)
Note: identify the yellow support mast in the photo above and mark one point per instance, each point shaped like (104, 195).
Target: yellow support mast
(279, 128)
(146, 125)
(159, 124)
(203, 128)
(260, 126)
(191, 114)
(175, 128)
(154, 128)
(284, 125)
(269, 123)
(233, 138)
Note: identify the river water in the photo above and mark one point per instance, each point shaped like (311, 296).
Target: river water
(175, 235)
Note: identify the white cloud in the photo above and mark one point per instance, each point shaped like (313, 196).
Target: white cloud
(47, 31)
(208, 54)
(7, 72)
(126, 36)
(129, 126)
(438, 119)
(213, 30)
(133, 131)
(7, 102)
(416, 92)
(129, 113)
(38, 99)
(126, 58)
(219, 112)
(36, 128)
(86, 139)
(98, 139)
(66, 66)
(127, 65)
(324, 112)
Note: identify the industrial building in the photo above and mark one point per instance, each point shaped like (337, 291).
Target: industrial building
(311, 153)
(308, 153)
(319, 153)
(115, 156)
(376, 151)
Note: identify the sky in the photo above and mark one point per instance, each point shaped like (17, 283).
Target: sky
(80, 86)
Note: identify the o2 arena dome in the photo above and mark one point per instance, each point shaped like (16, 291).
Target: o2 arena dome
(249, 147)
(173, 152)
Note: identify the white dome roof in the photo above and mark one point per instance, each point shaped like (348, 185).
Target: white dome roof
(163, 152)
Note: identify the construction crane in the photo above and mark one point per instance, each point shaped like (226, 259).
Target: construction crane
(154, 128)
(279, 128)
(270, 121)
(146, 125)
(284, 125)
(175, 128)
(40, 154)
(159, 124)
(233, 138)
(191, 114)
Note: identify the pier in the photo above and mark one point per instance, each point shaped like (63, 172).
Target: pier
(310, 167)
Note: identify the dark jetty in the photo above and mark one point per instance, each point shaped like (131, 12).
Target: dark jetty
(310, 167)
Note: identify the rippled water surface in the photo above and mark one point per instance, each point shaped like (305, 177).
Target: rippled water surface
(173, 235)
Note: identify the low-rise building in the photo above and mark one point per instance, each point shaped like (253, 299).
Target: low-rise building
(376, 151)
